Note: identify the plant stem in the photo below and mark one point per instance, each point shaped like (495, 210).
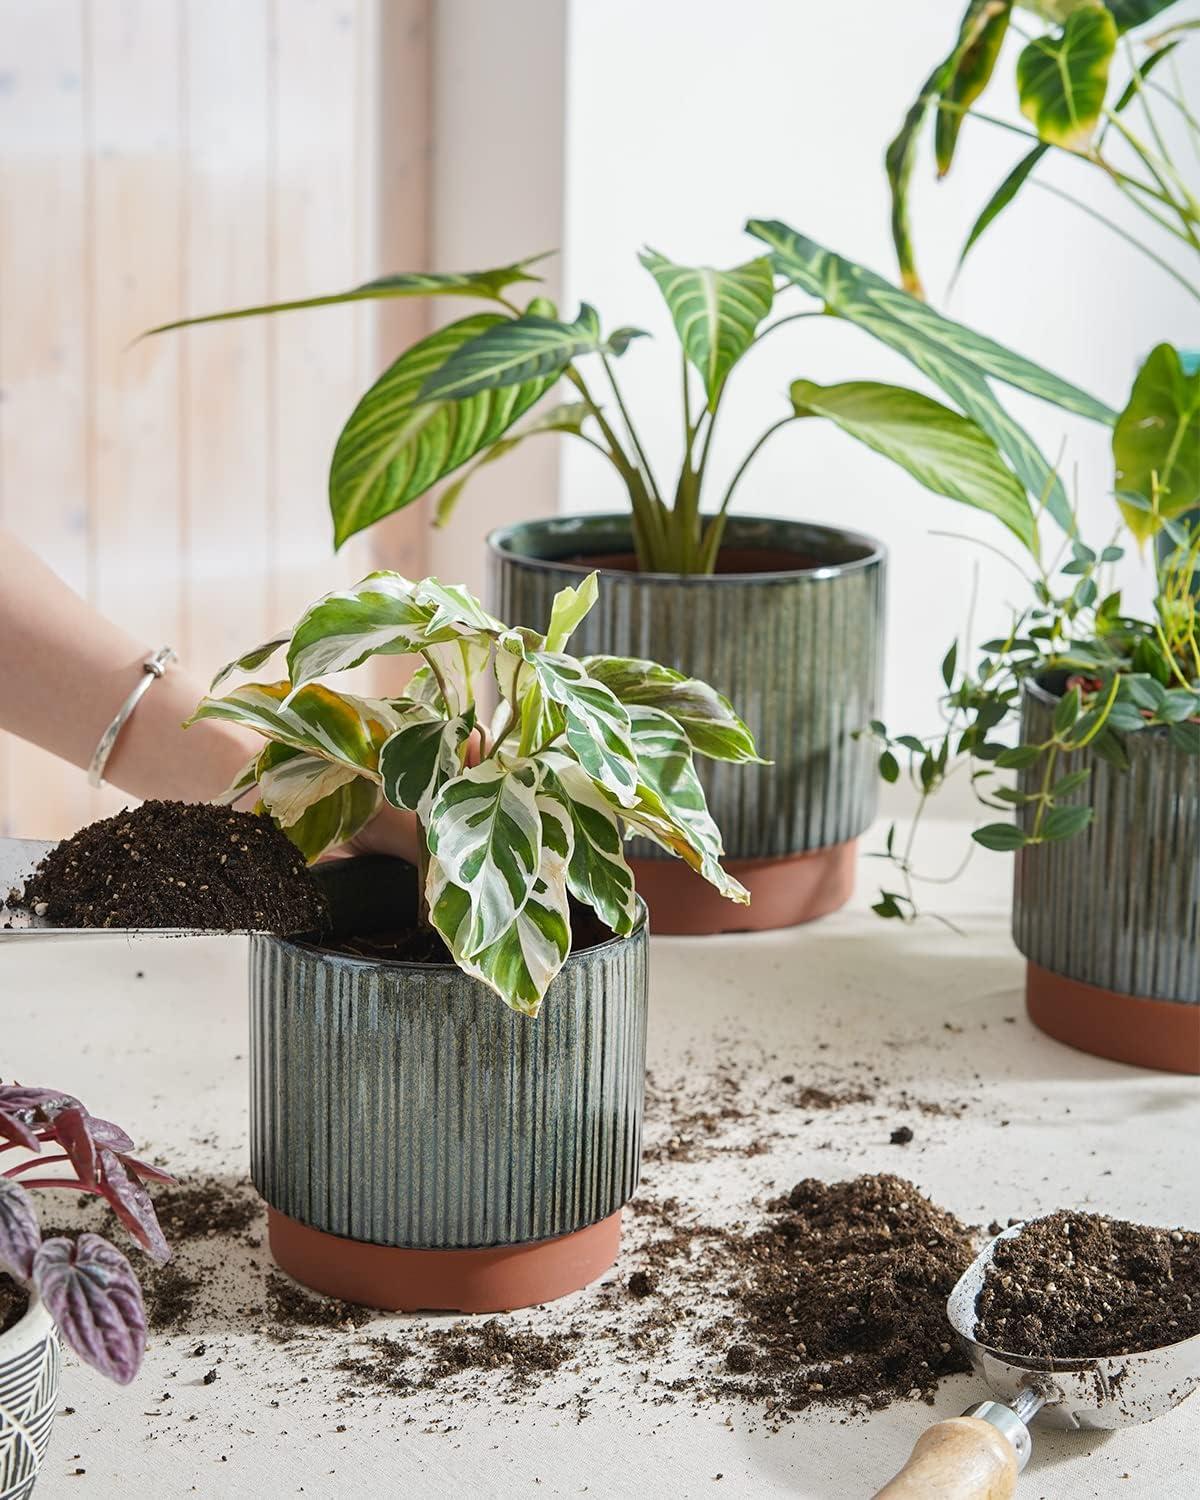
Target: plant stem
(34, 1161)
(716, 527)
(629, 427)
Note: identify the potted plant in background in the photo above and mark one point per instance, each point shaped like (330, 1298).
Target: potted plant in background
(784, 617)
(1107, 886)
(84, 1288)
(419, 1144)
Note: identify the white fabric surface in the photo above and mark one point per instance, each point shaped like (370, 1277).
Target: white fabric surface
(166, 1057)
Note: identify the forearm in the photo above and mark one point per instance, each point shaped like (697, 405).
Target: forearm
(65, 671)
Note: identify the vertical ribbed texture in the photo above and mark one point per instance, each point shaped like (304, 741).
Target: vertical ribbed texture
(798, 654)
(29, 1370)
(1119, 906)
(405, 1104)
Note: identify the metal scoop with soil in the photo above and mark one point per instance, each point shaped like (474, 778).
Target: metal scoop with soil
(979, 1455)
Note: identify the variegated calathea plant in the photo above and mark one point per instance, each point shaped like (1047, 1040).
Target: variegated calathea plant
(518, 814)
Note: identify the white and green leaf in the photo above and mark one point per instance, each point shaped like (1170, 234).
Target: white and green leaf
(598, 873)
(336, 726)
(946, 452)
(420, 757)
(569, 609)
(596, 722)
(251, 661)
(1062, 80)
(335, 819)
(290, 781)
(702, 713)
(716, 313)
(485, 831)
(398, 443)
(520, 351)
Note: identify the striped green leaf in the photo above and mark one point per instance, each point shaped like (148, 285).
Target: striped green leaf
(1156, 443)
(955, 358)
(531, 349)
(716, 313)
(421, 756)
(668, 782)
(568, 417)
(1062, 79)
(484, 284)
(520, 964)
(332, 821)
(707, 718)
(942, 450)
(251, 661)
(899, 160)
(485, 830)
(1000, 199)
(597, 725)
(290, 781)
(598, 873)
(980, 38)
(397, 443)
(336, 726)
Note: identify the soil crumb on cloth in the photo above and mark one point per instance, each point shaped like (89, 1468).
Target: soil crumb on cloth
(1082, 1286)
(178, 864)
(843, 1300)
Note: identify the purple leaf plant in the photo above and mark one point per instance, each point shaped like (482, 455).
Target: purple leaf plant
(88, 1287)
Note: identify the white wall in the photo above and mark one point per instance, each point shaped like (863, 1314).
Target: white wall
(686, 117)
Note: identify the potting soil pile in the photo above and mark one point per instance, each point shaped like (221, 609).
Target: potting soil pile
(177, 864)
(1078, 1286)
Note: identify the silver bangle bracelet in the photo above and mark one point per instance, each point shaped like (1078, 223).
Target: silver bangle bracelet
(152, 668)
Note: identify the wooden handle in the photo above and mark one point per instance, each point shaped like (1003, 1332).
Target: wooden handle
(960, 1459)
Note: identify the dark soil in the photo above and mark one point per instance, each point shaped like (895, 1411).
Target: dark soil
(729, 560)
(425, 946)
(14, 1299)
(178, 864)
(843, 1296)
(1079, 1286)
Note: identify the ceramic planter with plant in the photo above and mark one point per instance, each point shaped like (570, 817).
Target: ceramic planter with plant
(784, 617)
(83, 1288)
(1107, 799)
(419, 1143)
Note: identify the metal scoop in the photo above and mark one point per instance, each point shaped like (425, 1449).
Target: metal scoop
(18, 860)
(978, 1456)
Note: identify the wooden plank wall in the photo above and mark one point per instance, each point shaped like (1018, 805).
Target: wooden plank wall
(163, 157)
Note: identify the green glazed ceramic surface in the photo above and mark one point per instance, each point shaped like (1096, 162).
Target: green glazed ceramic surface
(798, 651)
(406, 1104)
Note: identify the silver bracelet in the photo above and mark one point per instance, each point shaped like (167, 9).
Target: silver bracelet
(152, 668)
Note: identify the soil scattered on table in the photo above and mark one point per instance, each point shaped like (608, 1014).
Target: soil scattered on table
(14, 1300)
(1083, 1286)
(178, 864)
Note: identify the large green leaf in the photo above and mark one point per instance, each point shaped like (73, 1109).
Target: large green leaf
(520, 964)
(483, 284)
(980, 38)
(337, 726)
(669, 784)
(568, 417)
(518, 351)
(597, 725)
(708, 719)
(420, 757)
(485, 831)
(716, 313)
(1062, 80)
(1157, 441)
(946, 452)
(954, 357)
(598, 873)
(397, 444)
(1130, 13)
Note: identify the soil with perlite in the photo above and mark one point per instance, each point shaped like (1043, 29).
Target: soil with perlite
(1082, 1286)
(177, 864)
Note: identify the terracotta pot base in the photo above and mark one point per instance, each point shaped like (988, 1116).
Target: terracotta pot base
(784, 892)
(1162, 1034)
(469, 1281)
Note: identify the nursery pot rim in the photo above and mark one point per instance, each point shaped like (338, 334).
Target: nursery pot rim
(33, 1324)
(874, 553)
(424, 966)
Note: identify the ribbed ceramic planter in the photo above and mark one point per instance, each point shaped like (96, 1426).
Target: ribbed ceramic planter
(418, 1143)
(29, 1366)
(794, 640)
(1110, 921)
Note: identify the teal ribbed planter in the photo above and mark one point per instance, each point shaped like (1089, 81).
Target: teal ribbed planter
(403, 1107)
(1109, 921)
(794, 639)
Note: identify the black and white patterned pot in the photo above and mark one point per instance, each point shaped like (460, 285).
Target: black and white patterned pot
(29, 1370)
(420, 1144)
(795, 642)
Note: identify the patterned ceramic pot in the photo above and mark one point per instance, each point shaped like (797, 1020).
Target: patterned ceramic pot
(29, 1367)
(792, 633)
(422, 1146)
(1110, 921)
